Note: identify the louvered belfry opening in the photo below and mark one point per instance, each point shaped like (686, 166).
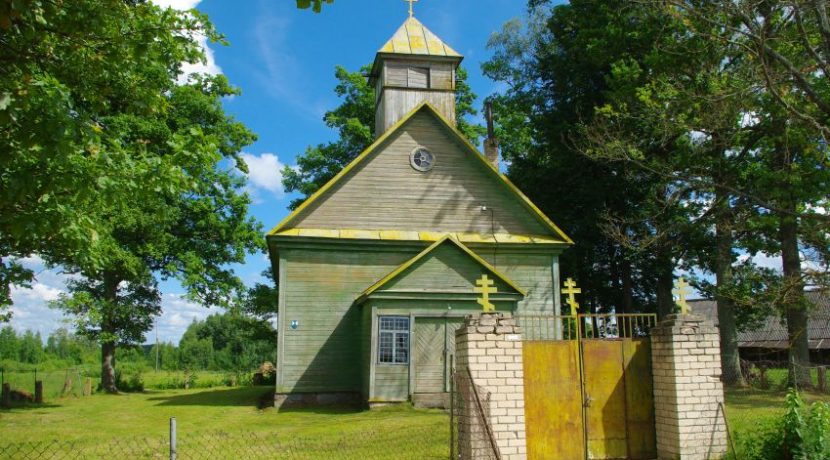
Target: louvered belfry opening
(413, 67)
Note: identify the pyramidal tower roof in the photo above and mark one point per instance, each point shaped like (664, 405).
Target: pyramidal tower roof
(414, 38)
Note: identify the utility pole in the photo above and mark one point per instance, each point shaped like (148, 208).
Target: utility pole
(157, 346)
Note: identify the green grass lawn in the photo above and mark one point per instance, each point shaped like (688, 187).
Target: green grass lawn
(206, 415)
(747, 408)
(211, 418)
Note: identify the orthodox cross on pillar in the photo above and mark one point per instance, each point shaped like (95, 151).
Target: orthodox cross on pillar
(485, 286)
(571, 290)
(411, 3)
(681, 288)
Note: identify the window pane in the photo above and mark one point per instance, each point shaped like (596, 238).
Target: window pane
(385, 347)
(393, 339)
(401, 348)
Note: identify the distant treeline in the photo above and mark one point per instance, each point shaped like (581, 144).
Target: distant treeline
(222, 342)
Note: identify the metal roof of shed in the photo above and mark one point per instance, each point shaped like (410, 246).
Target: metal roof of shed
(773, 331)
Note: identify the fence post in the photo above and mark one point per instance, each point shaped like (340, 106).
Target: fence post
(88, 387)
(172, 438)
(38, 391)
(822, 378)
(7, 395)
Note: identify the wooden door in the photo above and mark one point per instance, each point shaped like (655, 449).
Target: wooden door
(428, 345)
(452, 325)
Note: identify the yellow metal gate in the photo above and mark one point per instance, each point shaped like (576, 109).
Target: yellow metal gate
(588, 387)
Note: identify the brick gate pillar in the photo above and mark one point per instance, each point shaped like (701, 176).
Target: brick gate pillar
(688, 393)
(490, 346)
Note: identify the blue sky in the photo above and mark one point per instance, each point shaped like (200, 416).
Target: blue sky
(283, 59)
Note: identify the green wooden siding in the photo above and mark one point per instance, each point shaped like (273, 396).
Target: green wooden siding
(366, 351)
(533, 272)
(332, 350)
(447, 268)
(391, 383)
(386, 193)
(319, 289)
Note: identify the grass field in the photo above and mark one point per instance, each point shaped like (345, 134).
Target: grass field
(205, 415)
(233, 412)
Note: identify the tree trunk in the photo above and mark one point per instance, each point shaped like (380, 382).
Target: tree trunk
(794, 308)
(665, 283)
(627, 287)
(730, 358)
(108, 367)
(108, 383)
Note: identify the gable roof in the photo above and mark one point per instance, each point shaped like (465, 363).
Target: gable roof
(456, 136)
(447, 239)
(773, 330)
(412, 37)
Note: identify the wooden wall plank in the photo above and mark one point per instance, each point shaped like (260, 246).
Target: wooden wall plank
(386, 193)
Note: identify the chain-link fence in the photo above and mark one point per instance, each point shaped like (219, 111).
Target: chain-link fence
(780, 375)
(409, 443)
(54, 384)
(472, 435)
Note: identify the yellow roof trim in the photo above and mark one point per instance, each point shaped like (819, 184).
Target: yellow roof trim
(522, 197)
(406, 235)
(425, 252)
(460, 138)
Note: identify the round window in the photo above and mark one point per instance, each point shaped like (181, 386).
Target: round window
(422, 159)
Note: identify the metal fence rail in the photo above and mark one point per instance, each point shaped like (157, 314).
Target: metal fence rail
(407, 443)
(545, 326)
(471, 434)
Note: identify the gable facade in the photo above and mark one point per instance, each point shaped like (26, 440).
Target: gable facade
(378, 268)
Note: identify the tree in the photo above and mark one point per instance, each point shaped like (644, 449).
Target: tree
(189, 230)
(788, 42)
(316, 5)
(68, 70)
(9, 345)
(569, 61)
(354, 120)
(231, 340)
(698, 126)
(260, 301)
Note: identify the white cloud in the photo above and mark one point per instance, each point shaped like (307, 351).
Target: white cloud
(30, 306)
(264, 173)
(280, 72)
(209, 66)
(177, 313)
(764, 260)
(178, 4)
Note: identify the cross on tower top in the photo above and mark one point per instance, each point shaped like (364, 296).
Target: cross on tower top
(571, 290)
(411, 3)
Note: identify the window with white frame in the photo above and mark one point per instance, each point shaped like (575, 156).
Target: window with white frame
(393, 339)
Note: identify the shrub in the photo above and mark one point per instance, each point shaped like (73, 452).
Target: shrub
(799, 434)
(133, 383)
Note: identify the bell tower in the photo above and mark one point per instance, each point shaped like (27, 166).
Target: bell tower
(414, 66)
